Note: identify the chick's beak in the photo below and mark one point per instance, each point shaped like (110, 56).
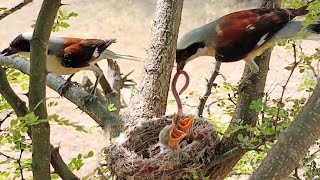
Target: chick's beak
(9, 51)
(170, 136)
(186, 124)
(175, 137)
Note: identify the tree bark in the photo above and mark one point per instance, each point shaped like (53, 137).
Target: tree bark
(151, 98)
(40, 133)
(292, 145)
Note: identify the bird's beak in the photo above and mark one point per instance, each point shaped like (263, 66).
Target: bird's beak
(186, 126)
(9, 51)
(180, 66)
(175, 137)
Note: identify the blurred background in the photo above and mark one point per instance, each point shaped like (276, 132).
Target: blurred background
(130, 22)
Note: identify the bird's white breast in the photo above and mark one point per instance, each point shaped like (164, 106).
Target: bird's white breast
(54, 66)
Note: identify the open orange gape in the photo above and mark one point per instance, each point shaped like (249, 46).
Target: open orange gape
(172, 140)
(138, 153)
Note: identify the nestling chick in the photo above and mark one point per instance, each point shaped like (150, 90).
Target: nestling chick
(170, 136)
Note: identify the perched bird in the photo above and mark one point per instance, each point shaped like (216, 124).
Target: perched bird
(67, 55)
(242, 35)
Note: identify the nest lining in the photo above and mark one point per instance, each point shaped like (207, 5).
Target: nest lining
(141, 157)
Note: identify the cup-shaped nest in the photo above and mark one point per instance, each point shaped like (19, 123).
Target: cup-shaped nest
(137, 153)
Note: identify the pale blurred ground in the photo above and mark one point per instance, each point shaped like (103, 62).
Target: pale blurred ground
(130, 22)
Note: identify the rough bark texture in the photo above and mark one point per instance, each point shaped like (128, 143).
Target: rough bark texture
(40, 133)
(94, 108)
(151, 98)
(292, 145)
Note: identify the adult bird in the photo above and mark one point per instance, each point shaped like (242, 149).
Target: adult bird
(242, 35)
(68, 55)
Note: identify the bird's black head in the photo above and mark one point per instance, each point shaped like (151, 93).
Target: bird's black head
(187, 54)
(19, 44)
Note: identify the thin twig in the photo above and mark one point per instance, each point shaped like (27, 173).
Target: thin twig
(296, 175)
(16, 8)
(19, 161)
(7, 156)
(207, 93)
(5, 118)
(295, 65)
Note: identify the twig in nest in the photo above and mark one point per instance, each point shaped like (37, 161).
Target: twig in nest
(295, 65)
(207, 93)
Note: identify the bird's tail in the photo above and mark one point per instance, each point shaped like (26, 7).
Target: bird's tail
(107, 54)
(301, 11)
(314, 28)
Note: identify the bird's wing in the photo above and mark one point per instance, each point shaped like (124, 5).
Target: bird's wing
(241, 32)
(80, 54)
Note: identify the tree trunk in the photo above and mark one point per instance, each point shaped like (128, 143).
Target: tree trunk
(292, 145)
(37, 91)
(151, 98)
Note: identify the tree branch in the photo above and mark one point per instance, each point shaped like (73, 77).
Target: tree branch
(292, 145)
(151, 99)
(60, 167)
(94, 108)
(14, 9)
(40, 133)
(22, 110)
(11, 97)
(207, 93)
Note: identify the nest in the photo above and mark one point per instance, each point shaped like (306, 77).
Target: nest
(140, 155)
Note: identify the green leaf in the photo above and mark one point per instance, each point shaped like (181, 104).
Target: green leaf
(112, 107)
(240, 137)
(24, 129)
(90, 154)
(257, 105)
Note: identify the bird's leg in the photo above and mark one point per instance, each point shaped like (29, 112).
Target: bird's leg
(64, 87)
(98, 73)
(98, 76)
(254, 68)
